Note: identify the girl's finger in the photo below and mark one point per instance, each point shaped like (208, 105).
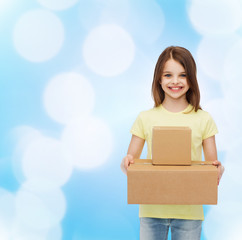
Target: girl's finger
(217, 163)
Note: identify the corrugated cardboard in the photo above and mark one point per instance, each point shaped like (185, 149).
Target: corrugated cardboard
(149, 184)
(171, 146)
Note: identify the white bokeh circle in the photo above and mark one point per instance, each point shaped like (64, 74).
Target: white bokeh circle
(108, 50)
(55, 233)
(211, 54)
(146, 21)
(236, 231)
(43, 159)
(210, 17)
(3, 3)
(67, 96)
(226, 137)
(233, 163)
(4, 7)
(7, 207)
(87, 142)
(39, 209)
(220, 216)
(206, 87)
(232, 69)
(94, 12)
(142, 90)
(38, 35)
(7, 213)
(57, 4)
(4, 233)
(22, 136)
(228, 186)
(20, 234)
(21, 231)
(231, 87)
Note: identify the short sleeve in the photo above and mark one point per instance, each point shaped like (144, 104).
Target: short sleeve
(138, 127)
(210, 128)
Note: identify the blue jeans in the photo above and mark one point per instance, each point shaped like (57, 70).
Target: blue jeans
(181, 229)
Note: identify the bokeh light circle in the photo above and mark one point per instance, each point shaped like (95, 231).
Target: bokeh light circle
(87, 142)
(67, 96)
(4, 233)
(210, 17)
(211, 54)
(108, 50)
(95, 12)
(24, 232)
(7, 213)
(231, 87)
(225, 138)
(146, 21)
(58, 4)
(55, 233)
(233, 163)
(43, 159)
(232, 70)
(38, 35)
(220, 216)
(39, 209)
(7, 206)
(22, 136)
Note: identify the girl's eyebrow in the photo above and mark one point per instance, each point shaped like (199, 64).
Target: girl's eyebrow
(171, 72)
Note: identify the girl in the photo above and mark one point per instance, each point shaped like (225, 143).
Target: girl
(177, 103)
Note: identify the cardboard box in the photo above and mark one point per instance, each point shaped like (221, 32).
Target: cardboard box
(171, 146)
(149, 184)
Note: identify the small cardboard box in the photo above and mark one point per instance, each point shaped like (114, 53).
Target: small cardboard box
(192, 185)
(171, 146)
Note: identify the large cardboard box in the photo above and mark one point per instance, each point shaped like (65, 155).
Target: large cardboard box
(171, 146)
(149, 184)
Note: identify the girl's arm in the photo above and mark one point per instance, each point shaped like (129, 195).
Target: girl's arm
(210, 154)
(134, 151)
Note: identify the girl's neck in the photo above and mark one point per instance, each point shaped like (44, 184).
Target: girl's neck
(175, 105)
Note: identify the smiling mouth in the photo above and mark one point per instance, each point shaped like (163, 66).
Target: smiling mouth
(175, 88)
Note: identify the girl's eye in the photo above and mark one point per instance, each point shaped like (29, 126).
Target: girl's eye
(167, 75)
(183, 75)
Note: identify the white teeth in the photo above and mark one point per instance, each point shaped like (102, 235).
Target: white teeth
(175, 88)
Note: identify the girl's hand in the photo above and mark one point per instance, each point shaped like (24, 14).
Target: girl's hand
(220, 169)
(127, 160)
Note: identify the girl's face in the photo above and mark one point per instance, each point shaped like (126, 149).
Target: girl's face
(174, 80)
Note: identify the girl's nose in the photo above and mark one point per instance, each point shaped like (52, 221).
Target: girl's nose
(175, 80)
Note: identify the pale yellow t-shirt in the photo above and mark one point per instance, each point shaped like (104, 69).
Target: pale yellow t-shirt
(202, 126)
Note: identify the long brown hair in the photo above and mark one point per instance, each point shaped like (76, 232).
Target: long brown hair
(185, 58)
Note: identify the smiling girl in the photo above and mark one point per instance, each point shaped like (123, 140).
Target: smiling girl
(177, 103)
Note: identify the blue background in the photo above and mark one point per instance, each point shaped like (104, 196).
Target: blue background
(95, 197)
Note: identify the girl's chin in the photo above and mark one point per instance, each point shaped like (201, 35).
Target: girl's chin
(175, 95)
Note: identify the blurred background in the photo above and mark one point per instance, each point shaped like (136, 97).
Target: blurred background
(74, 74)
